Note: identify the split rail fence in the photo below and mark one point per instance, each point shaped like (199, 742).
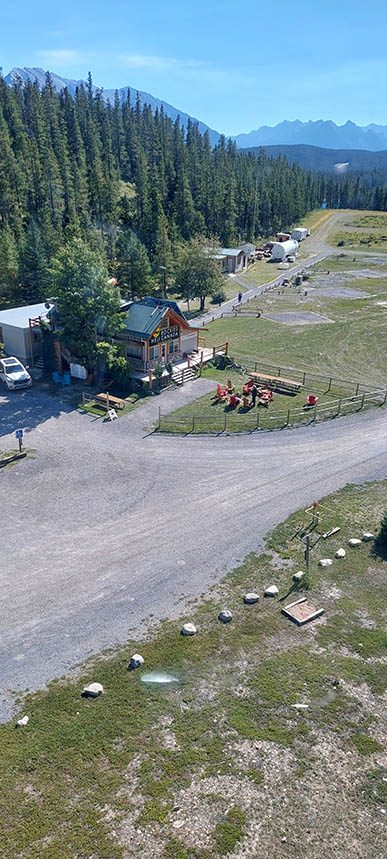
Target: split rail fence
(348, 397)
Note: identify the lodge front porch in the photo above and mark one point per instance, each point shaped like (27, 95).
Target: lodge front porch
(194, 361)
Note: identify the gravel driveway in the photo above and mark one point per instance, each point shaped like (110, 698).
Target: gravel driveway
(108, 524)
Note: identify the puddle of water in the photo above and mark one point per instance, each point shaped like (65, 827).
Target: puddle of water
(159, 678)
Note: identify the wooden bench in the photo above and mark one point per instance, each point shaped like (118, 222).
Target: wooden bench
(277, 382)
(114, 402)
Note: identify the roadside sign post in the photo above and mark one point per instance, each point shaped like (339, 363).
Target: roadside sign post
(19, 436)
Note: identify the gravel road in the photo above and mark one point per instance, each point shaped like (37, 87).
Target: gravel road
(109, 524)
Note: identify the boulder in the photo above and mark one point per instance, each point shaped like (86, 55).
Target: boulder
(251, 598)
(21, 722)
(225, 616)
(297, 577)
(367, 537)
(93, 690)
(354, 541)
(341, 553)
(189, 629)
(271, 591)
(325, 562)
(135, 661)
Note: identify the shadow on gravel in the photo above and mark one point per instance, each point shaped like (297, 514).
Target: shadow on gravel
(29, 408)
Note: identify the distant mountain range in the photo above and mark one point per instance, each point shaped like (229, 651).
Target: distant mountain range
(316, 158)
(321, 133)
(324, 133)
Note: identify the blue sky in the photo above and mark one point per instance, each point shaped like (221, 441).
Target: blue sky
(235, 66)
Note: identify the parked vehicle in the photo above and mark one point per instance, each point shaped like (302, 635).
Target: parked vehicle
(14, 374)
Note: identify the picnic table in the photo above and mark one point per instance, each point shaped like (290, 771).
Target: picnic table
(110, 402)
(277, 382)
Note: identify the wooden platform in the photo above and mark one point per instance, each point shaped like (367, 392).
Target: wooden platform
(110, 402)
(302, 611)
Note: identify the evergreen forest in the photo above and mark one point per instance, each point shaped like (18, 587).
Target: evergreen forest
(135, 186)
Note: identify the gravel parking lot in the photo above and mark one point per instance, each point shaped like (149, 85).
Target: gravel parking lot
(107, 525)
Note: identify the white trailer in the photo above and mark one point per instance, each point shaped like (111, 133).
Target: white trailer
(300, 233)
(281, 250)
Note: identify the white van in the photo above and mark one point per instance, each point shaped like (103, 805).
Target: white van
(14, 374)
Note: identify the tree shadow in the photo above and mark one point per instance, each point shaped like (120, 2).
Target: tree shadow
(379, 550)
(29, 408)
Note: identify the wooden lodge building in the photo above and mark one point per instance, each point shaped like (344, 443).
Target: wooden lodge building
(155, 332)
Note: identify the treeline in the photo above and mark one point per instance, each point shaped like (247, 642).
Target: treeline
(131, 183)
(355, 190)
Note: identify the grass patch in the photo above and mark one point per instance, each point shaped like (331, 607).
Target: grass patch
(77, 758)
(229, 831)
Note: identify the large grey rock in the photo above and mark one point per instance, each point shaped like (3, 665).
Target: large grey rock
(93, 690)
(271, 591)
(341, 553)
(354, 541)
(251, 598)
(22, 722)
(136, 661)
(325, 562)
(225, 616)
(189, 629)
(367, 537)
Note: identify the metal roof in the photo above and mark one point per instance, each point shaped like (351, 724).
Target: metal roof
(230, 252)
(18, 316)
(142, 319)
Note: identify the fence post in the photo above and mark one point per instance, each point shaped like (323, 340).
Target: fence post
(255, 365)
(303, 379)
(182, 377)
(257, 418)
(279, 371)
(330, 383)
(338, 410)
(357, 389)
(225, 421)
(107, 401)
(315, 412)
(227, 348)
(193, 422)
(159, 418)
(213, 351)
(288, 419)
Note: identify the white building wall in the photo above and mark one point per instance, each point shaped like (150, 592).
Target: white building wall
(188, 341)
(15, 342)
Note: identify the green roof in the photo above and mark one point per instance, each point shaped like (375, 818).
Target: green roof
(142, 319)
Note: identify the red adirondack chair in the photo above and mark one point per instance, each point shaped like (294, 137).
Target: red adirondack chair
(311, 400)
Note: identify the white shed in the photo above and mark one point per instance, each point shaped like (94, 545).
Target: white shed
(19, 338)
(281, 250)
(300, 233)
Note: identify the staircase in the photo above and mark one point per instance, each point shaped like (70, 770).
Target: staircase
(179, 377)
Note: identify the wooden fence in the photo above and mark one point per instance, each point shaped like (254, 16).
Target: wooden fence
(262, 419)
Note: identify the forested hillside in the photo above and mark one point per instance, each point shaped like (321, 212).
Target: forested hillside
(130, 182)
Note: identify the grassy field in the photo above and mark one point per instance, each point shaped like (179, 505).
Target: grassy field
(353, 346)
(362, 231)
(222, 761)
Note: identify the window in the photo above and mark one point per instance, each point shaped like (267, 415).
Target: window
(173, 346)
(154, 352)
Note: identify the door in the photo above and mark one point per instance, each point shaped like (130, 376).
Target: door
(163, 351)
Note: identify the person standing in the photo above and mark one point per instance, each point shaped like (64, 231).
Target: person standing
(253, 395)
(239, 297)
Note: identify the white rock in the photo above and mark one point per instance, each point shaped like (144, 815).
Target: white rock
(189, 629)
(251, 598)
(354, 542)
(225, 616)
(325, 562)
(135, 661)
(271, 591)
(300, 706)
(297, 577)
(23, 721)
(93, 690)
(341, 553)
(367, 537)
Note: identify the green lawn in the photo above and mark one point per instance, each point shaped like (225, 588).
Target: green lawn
(353, 346)
(362, 231)
(115, 777)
